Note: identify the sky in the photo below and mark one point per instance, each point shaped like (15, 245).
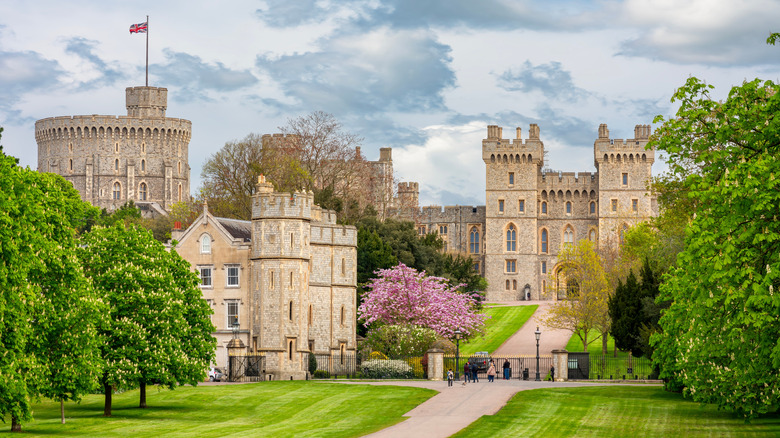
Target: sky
(424, 77)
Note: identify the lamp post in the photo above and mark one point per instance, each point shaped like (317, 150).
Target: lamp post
(538, 335)
(457, 354)
(236, 328)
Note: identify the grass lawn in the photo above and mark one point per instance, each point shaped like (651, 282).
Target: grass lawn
(617, 411)
(575, 344)
(504, 322)
(274, 409)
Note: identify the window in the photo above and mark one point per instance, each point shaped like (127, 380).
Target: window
(511, 178)
(205, 244)
(421, 230)
(179, 167)
(117, 192)
(511, 266)
(568, 207)
(521, 206)
(592, 235)
(232, 276)
(511, 238)
(271, 279)
(143, 165)
(291, 310)
(205, 276)
(70, 164)
(507, 285)
(544, 241)
(116, 164)
(142, 191)
(116, 147)
(514, 284)
(500, 205)
(70, 147)
(442, 229)
(614, 205)
(179, 192)
(635, 205)
(544, 267)
(476, 266)
(232, 313)
(343, 266)
(143, 147)
(568, 236)
(291, 280)
(592, 207)
(544, 207)
(474, 241)
(625, 179)
(342, 315)
(290, 350)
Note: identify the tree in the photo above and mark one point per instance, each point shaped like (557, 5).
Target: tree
(721, 335)
(397, 341)
(46, 331)
(158, 328)
(403, 296)
(588, 308)
(634, 313)
(230, 176)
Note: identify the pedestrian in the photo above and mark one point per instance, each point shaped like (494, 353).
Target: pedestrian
(466, 373)
(449, 377)
(491, 372)
(475, 373)
(506, 369)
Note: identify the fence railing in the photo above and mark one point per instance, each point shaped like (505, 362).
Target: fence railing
(620, 368)
(520, 367)
(246, 367)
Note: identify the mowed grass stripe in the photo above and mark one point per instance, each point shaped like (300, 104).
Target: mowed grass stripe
(503, 323)
(615, 411)
(264, 409)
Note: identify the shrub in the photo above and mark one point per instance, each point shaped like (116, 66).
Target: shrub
(386, 369)
(312, 363)
(321, 374)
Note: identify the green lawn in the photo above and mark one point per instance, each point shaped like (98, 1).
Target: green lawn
(618, 411)
(274, 409)
(575, 344)
(504, 322)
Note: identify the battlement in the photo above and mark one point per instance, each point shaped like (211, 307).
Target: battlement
(267, 203)
(496, 149)
(146, 102)
(408, 187)
(385, 154)
(555, 180)
(618, 150)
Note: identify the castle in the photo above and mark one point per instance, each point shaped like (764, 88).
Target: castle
(530, 213)
(141, 157)
(287, 278)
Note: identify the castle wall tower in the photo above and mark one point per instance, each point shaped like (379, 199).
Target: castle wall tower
(304, 270)
(110, 160)
(625, 170)
(511, 212)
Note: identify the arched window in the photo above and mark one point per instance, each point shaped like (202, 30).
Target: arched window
(116, 164)
(143, 165)
(289, 353)
(474, 241)
(342, 315)
(514, 284)
(179, 167)
(142, 191)
(592, 235)
(511, 238)
(592, 207)
(205, 244)
(568, 236)
(544, 207)
(117, 192)
(544, 241)
(507, 285)
(568, 207)
(291, 280)
(291, 310)
(70, 164)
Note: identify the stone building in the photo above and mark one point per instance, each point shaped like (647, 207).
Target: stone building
(530, 213)
(288, 277)
(110, 160)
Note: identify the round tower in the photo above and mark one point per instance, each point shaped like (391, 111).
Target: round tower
(141, 157)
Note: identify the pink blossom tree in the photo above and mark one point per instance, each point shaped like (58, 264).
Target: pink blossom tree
(403, 296)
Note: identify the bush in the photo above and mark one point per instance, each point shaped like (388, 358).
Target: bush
(312, 363)
(321, 374)
(386, 369)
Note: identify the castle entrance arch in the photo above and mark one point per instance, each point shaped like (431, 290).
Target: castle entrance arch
(565, 282)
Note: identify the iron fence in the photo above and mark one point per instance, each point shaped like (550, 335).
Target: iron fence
(247, 367)
(355, 366)
(620, 368)
(520, 367)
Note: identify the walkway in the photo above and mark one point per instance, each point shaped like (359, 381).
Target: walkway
(523, 342)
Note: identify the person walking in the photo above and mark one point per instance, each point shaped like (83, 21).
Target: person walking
(475, 373)
(491, 372)
(449, 377)
(466, 373)
(506, 369)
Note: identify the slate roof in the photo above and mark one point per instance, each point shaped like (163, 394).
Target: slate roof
(237, 228)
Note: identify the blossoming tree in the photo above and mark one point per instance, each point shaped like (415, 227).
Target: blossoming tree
(404, 296)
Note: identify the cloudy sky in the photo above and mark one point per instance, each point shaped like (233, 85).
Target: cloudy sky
(424, 77)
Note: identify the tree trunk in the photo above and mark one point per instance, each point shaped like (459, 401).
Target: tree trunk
(604, 341)
(585, 342)
(16, 426)
(108, 391)
(62, 411)
(142, 403)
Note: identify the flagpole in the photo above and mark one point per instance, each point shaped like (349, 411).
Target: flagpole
(147, 50)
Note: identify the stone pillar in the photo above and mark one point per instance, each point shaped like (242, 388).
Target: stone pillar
(235, 347)
(436, 364)
(561, 364)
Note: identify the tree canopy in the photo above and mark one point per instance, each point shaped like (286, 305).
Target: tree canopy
(721, 338)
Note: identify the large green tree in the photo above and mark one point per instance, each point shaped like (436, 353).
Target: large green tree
(721, 338)
(158, 329)
(47, 310)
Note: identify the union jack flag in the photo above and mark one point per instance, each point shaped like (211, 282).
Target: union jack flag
(138, 28)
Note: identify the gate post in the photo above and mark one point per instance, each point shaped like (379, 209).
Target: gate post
(235, 347)
(561, 364)
(435, 364)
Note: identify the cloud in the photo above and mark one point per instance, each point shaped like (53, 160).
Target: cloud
(194, 75)
(711, 32)
(85, 49)
(284, 13)
(22, 72)
(379, 71)
(549, 79)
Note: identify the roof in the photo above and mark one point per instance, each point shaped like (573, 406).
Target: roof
(237, 228)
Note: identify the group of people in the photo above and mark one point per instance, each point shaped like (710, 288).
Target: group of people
(471, 372)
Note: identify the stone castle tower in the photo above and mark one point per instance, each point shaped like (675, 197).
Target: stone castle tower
(531, 214)
(304, 280)
(110, 160)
